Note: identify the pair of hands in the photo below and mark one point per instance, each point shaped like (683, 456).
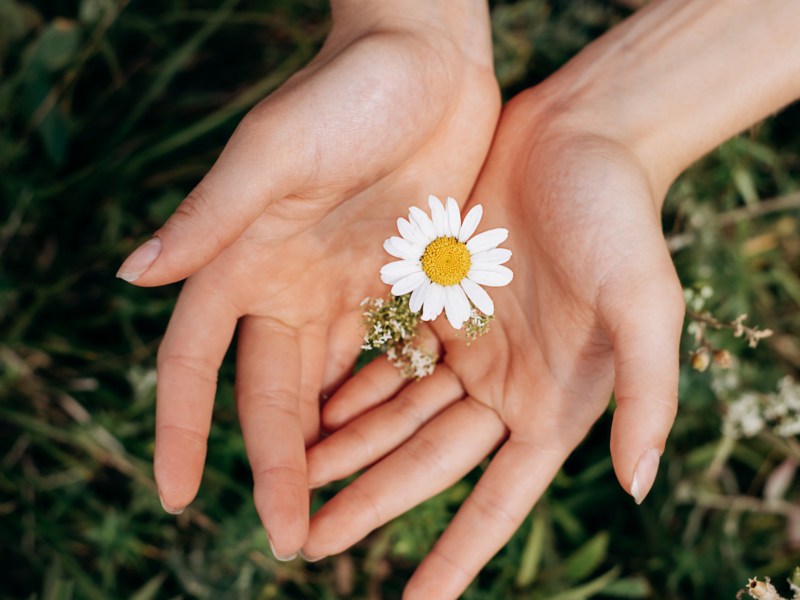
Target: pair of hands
(284, 237)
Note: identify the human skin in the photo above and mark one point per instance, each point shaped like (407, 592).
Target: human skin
(280, 236)
(578, 172)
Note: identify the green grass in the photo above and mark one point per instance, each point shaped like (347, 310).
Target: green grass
(110, 111)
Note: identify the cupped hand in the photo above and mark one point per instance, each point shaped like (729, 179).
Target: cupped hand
(285, 232)
(595, 306)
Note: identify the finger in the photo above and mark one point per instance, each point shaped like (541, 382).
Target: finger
(376, 433)
(372, 385)
(249, 175)
(440, 454)
(313, 351)
(267, 388)
(505, 494)
(646, 340)
(198, 335)
(344, 346)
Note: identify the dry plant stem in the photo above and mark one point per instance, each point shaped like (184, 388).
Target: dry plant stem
(740, 503)
(790, 202)
(752, 334)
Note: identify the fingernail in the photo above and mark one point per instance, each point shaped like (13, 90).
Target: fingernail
(277, 556)
(645, 474)
(167, 509)
(141, 259)
(309, 558)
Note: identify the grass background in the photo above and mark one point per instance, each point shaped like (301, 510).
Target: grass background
(110, 111)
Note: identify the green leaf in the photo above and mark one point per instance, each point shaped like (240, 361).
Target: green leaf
(588, 557)
(57, 46)
(56, 587)
(590, 589)
(54, 131)
(630, 587)
(149, 591)
(532, 554)
(743, 180)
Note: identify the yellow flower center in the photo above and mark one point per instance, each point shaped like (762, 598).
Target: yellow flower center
(446, 261)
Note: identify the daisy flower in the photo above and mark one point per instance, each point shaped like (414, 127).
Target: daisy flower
(442, 265)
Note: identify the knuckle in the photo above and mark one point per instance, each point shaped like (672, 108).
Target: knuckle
(409, 411)
(197, 366)
(197, 211)
(423, 450)
(361, 441)
(194, 207)
(277, 399)
(362, 500)
(192, 436)
(281, 474)
(490, 505)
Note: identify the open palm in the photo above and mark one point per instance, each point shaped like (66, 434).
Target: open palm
(283, 236)
(595, 306)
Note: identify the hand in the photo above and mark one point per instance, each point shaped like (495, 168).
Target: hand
(578, 171)
(595, 304)
(283, 233)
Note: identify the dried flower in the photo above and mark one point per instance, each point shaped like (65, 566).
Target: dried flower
(763, 590)
(700, 360)
(412, 362)
(723, 359)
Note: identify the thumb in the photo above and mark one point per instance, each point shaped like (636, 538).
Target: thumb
(645, 332)
(246, 178)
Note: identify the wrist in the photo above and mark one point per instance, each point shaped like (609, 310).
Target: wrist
(680, 77)
(464, 22)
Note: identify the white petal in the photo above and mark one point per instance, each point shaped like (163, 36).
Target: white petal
(423, 223)
(393, 272)
(471, 221)
(438, 216)
(478, 296)
(411, 233)
(453, 217)
(487, 240)
(434, 302)
(397, 246)
(390, 248)
(495, 256)
(451, 310)
(418, 295)
(491, 275)
(456, 306)
(408, 283)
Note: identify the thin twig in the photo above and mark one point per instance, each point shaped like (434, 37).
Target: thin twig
(781, 203)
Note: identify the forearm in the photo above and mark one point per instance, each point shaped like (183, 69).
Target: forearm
(681, 76)
(465, 20)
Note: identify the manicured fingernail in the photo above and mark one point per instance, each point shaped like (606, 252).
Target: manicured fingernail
(645, 474)
(141, 259)
(167, 509)
(309, 558)
(278, 556)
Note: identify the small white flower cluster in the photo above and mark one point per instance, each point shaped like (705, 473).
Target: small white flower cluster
(696, 299)
(387, 322)
(779, 411)
(477, 325)
(411, 361)
(391, 328)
